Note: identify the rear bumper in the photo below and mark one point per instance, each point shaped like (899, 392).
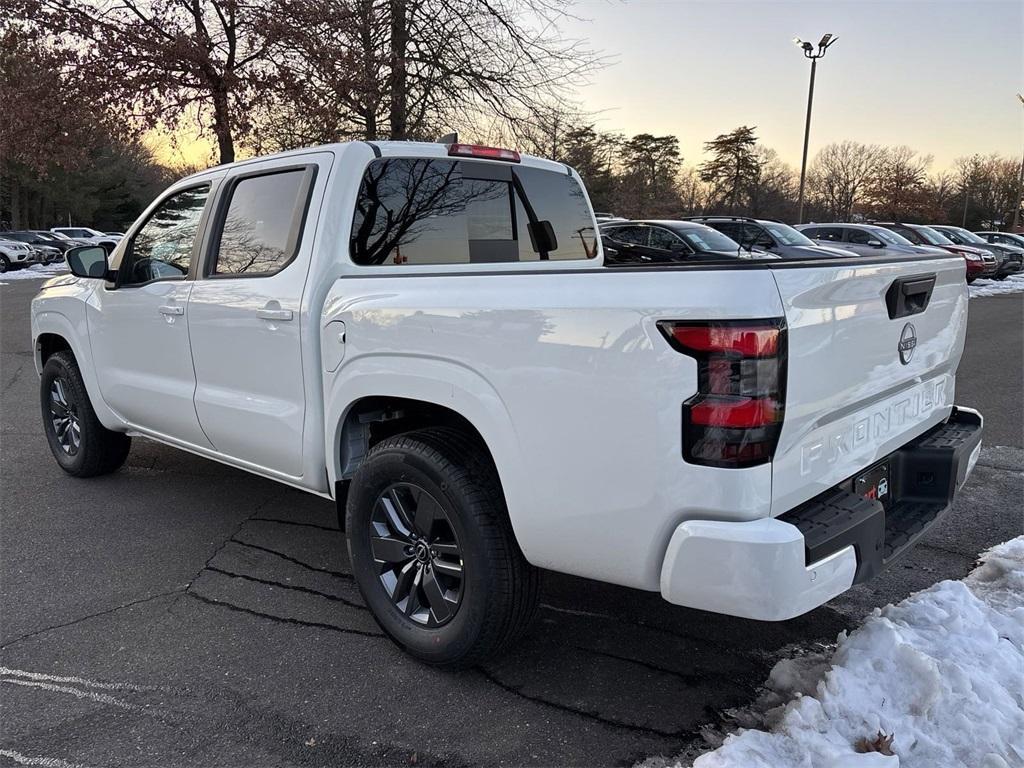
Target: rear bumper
(778, 568)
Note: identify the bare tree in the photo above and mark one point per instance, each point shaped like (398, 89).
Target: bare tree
(897, 185)
(162, 60)
(839, 177)
(415, 68)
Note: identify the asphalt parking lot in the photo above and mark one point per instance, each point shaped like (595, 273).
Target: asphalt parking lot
(182, 613)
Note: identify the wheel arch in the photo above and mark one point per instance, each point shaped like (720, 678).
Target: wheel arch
(370, 406)
(54, 332)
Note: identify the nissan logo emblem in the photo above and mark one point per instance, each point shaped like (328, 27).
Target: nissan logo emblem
(908, 343)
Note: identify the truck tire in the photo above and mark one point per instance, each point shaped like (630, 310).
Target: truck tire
(81, 445)
(433, 552)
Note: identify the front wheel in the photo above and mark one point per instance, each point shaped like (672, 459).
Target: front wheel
(5, 264)
(81, 445)
(433, 552)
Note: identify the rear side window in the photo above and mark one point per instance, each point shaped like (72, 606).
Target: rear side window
(831, 234)
(438, 211)
(633, 235)
(262, 224)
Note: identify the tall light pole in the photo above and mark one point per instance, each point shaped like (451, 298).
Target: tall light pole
(809, 52)
(1020, 188)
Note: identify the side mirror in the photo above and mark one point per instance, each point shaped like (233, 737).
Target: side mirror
(87, 261)
(876, 243)
(542, 236)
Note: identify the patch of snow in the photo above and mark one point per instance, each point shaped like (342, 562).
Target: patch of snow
(981, 288)
(35, 272)
(942, 672)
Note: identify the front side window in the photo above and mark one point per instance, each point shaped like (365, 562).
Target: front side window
(861, 236)
(439, 211)
(162, 248)
(263, 223)
(662, 238)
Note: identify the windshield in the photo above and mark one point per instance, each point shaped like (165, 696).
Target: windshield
(786, 235)
(707, 240)
(965, 235)
(890, 237)
(59, 236)
(21, 236)
(933, 236)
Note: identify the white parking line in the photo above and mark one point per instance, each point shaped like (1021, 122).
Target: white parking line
(101, 698)
(76, 681)
(45, 762)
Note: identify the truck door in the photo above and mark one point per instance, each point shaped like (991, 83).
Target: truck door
(138, 327)
(246, 310)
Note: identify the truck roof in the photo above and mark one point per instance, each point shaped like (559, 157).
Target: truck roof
(385, 149)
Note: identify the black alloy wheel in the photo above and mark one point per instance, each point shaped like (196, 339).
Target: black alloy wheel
(67, 425)
(416, 549)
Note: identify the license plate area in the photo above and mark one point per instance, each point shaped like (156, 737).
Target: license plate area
(874, 483)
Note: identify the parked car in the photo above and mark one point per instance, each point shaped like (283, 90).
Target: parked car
(14, 255)
(426, 334)
(58, 240)
(919, 234)
(47, 252)
(118, 235)
(872, 240)
(1003, 238)
(1013, 255)
(771, 236)
(602, 217)
(87, 235)
(667, 241)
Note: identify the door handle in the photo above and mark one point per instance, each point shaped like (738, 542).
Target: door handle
(275, 314)
(169, 309)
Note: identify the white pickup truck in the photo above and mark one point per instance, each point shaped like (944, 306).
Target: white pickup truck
(427, 334)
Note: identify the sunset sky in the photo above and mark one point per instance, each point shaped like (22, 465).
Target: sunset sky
(941, 77)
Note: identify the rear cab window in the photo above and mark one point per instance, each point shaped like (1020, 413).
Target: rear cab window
(418, 211)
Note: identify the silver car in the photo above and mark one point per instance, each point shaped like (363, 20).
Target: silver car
(864, 239)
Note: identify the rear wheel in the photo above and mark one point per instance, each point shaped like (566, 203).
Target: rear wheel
(81, 445)
(433, 551)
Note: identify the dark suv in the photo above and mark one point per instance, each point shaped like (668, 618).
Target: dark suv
(771, 236)
(1013, 254)
(919, 234)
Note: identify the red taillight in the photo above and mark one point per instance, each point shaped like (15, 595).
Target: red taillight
(742, 412)
(486, 153)
(749, 342)
(735, 418)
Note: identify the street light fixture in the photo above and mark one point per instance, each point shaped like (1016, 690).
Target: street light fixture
(809, 52)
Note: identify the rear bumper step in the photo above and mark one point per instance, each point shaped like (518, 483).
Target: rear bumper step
(778, 568)
(926, 474)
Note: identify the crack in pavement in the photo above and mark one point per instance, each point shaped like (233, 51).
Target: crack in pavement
(290, 559)
(281, 619)
(693, 679)
(294, 587)
(587, 714)
(292, 522)
(104, 612)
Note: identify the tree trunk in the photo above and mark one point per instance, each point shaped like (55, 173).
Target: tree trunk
(222, 125)
(397, 81)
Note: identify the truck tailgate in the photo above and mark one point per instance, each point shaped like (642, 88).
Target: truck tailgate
(868, 370)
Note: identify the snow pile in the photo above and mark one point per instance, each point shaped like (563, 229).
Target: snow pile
(35, 272)
(1012, 284)
(942, 673)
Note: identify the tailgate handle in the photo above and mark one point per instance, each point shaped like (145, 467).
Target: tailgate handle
(909, 295)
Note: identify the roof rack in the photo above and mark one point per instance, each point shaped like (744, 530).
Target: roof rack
(713, 216)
